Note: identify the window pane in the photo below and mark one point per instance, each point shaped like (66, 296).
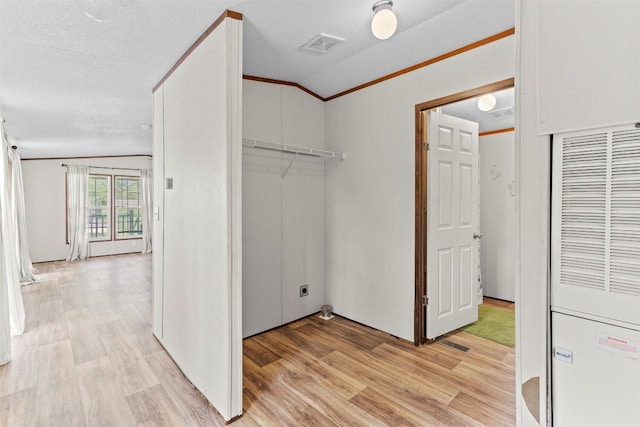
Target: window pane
(99, 208)
(128, 204)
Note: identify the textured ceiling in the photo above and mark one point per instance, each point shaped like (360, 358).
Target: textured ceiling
(500, 117)
(70, 86)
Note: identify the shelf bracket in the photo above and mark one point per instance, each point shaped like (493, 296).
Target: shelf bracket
(289, 167)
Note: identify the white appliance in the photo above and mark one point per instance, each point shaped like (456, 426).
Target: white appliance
(595, 284)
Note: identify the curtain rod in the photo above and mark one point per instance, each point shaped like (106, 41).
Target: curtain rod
(107, 167)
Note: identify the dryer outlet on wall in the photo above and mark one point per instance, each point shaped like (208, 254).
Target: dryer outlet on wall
(304, 290)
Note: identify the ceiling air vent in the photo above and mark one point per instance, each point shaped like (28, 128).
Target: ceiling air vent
(502, 113)
(322, 43)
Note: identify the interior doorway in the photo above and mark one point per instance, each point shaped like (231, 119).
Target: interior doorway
(421, 186)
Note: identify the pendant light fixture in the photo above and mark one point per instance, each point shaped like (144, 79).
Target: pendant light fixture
(99, 10)
(384, 22)
(486, 102)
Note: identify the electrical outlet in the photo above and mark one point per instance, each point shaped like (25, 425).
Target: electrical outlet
(304, 290)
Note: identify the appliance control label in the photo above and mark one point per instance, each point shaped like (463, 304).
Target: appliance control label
(563, 355)
(618, 345)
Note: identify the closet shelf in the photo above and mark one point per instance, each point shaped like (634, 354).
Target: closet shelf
(314, 152)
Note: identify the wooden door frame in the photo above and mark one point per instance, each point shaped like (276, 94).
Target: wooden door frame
(421, 193)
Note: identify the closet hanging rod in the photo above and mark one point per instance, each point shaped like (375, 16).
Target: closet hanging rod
(64, 165)
(314, 152)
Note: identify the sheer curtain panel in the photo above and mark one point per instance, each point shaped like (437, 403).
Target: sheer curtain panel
(78, 187)
(5, 317)
(25, 266)
(5, 329)
(146, 175)
(11, 307)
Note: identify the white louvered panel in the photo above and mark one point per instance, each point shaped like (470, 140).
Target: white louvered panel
(583, 211)
(625, 213)
(595, 249)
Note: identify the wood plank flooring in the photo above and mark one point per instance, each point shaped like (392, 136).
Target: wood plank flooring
(88, 358)
(499, 303)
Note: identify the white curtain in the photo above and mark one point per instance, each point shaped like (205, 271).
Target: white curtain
(5, 329)
(25, 266)
(5, 317)
(146, 175)
(78, 187)
(12, 316)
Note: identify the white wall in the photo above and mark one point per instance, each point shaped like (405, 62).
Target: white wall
(201, 217)
(45, 198)
(497, 215)
(283, 219)
(370, 196)
(158, 210)
(532, 222)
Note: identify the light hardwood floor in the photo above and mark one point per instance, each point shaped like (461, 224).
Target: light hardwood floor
(88, 358)
(500, 303)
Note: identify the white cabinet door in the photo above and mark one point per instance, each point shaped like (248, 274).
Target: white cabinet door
(595, 373)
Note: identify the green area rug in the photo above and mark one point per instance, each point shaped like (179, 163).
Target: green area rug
(494, 324)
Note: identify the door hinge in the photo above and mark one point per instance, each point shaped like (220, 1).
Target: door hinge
(425, 146)
(425, 300)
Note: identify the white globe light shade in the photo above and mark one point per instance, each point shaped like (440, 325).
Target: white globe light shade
(99, 10)
(486, 102)
(384, 24)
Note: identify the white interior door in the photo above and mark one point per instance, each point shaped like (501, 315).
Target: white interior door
(452, 224)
